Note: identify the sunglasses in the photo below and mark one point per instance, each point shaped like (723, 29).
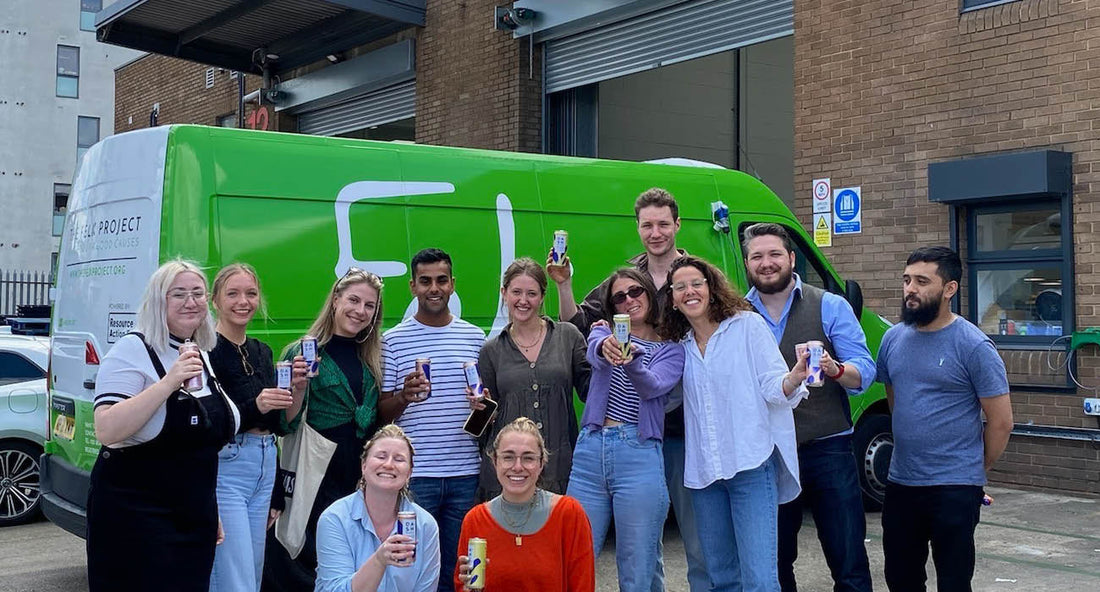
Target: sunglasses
(634, 292)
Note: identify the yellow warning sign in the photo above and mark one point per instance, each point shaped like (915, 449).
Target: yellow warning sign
(823, 233)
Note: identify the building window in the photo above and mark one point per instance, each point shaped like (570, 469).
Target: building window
(227, 120)
(60, 206)
(88, 9)
(1019, 271)
(87, 134)
(68, 71)
(968, 5)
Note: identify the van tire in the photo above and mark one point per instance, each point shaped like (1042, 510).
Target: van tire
(19, 473)
(873, 444)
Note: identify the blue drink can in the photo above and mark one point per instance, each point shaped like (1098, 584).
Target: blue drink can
(406, 525)
(309, 352)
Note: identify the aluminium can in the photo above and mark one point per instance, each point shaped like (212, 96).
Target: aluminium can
(194, 383)
(283, 372)
(477, 550)
(424, 366)
(622, 332)
(309, 352)
(561, 242)
(406, 525)
(816, 376)
(473, 378)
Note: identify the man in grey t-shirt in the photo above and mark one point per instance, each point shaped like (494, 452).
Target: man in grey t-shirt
(941, 372)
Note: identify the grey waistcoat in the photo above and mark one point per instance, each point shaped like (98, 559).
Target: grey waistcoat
(826, 410)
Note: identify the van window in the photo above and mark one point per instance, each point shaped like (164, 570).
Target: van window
(806, 264)
(15, 368)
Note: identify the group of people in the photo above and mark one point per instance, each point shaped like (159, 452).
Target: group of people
(704, 409)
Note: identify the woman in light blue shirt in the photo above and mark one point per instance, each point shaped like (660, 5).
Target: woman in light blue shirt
(352, 555)
(741, 458)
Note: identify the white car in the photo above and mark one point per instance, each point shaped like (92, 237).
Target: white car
(23, 417)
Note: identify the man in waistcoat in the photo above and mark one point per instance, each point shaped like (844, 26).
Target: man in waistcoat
(797, 313)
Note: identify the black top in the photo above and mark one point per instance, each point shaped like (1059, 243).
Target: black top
(345, 352)
(243, 382)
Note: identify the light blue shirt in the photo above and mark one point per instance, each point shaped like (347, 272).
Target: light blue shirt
(346, 540)
(840, 325)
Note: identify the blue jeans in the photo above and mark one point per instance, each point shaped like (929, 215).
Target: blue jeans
(246, 475)
(739, 532)
(447, 499)
(830, 488)
(685, 513)
(616, 475)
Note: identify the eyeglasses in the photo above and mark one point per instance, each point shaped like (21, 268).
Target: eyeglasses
(696, 284)
(181, 296)
(634, 292)
(528, 461)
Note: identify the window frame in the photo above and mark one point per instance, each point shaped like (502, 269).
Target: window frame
(66, 75)
(971, 5)
(86, 12)
(58, 188)
(81, 149)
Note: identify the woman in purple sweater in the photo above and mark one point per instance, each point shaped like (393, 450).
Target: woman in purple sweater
(618, 467)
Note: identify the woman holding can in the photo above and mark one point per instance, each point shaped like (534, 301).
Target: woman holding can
(741, 457)
(534, 540)
(152, 508)
(247, 465)
(340, 403)
(622, 428)
(531, 369)
(377, 539)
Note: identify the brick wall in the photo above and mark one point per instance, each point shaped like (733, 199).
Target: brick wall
(884, 88)
(473, 83)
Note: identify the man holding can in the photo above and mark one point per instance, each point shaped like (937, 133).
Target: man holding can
(941, 373)
(424, 392)
(801, 315)
(658, 218)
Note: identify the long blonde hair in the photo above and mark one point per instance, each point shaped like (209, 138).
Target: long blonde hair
(369, 339)
(152, 317)
(389, 431)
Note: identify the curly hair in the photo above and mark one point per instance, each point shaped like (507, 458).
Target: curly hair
(652, 316)
(724, 303)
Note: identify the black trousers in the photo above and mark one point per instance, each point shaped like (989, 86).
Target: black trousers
(944, 516)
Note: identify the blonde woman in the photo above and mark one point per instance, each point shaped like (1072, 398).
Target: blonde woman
(152, 507)
(358, 544)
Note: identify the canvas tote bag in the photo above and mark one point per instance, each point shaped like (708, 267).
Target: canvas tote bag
(305, 457)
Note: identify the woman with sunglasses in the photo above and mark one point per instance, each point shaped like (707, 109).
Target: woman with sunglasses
(341, 403)
(741, 455)
(152, 505)
(246, 465)
(531, 369)
(622, 428)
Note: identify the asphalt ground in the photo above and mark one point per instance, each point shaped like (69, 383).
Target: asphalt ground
(1027, 541)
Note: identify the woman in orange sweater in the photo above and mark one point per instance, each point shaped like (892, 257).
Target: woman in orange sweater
(536, 540)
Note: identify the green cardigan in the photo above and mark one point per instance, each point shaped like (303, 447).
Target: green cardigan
(329, 400)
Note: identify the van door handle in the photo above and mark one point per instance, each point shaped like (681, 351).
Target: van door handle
(89, 384)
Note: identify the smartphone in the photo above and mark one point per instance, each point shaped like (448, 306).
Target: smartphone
(479, 418)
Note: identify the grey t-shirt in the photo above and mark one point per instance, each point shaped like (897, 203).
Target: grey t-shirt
(938, 377)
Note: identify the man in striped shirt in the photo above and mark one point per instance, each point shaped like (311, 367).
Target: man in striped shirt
(432, 409)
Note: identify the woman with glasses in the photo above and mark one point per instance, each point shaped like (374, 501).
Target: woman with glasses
(741, 456)
(531, 369)
(618, 465)
(341, 404)
(536, 541)
(246, 465)
(152, 507)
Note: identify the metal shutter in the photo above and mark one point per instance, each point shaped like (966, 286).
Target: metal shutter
(667, 36)
(374, 108)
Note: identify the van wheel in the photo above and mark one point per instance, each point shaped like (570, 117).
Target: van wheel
(873, 444)
(19, 482)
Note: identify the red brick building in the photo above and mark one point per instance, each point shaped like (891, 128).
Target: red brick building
(965, 123)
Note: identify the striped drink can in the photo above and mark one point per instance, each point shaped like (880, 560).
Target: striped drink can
(561, 241)
(477, 551)
(406, 525)
(194, 383)
(622, 331)
(309, 352)
(424, 366)
(283, 372)
(473, 378)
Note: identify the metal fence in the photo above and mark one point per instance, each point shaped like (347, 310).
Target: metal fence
(21, 288)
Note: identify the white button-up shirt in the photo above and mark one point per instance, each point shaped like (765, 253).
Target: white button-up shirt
(735, 412)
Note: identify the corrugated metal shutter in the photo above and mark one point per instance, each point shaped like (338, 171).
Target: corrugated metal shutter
(374, 108)
(667, 36)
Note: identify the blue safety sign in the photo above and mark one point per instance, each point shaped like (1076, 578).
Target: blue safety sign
(847, 211)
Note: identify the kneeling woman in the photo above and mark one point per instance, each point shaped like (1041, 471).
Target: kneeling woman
(618, 465)
(536, 541)
(359, 547)
(152, 506)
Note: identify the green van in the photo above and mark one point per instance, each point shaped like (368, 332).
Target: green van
(303, 209)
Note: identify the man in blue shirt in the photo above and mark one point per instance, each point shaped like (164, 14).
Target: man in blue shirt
(941, 373)
(797, 313)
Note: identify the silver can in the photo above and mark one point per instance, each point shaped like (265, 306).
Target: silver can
(561, 240)
(424, 366)
(622, 332)
(283, 372)
(309, 352)
(816, 376)
(406, 525)
(194, 383)
(473, 378)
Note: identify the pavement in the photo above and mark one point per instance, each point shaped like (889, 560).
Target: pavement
(1027, 541)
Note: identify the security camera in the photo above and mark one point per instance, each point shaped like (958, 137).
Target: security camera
(273, 95)
(513, 18)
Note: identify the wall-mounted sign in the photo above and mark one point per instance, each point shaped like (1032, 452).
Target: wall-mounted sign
(847, 211)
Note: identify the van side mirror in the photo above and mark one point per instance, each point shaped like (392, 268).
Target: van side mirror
(854, 294)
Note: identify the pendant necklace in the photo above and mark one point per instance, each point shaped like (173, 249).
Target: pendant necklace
(516, 521)
(538, 337)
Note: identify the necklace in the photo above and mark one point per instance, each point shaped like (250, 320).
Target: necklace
(516, 516)
(538, 338)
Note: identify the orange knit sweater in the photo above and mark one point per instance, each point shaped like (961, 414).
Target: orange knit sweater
(557, 558)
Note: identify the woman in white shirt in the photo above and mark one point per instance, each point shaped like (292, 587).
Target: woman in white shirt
(741, 459)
